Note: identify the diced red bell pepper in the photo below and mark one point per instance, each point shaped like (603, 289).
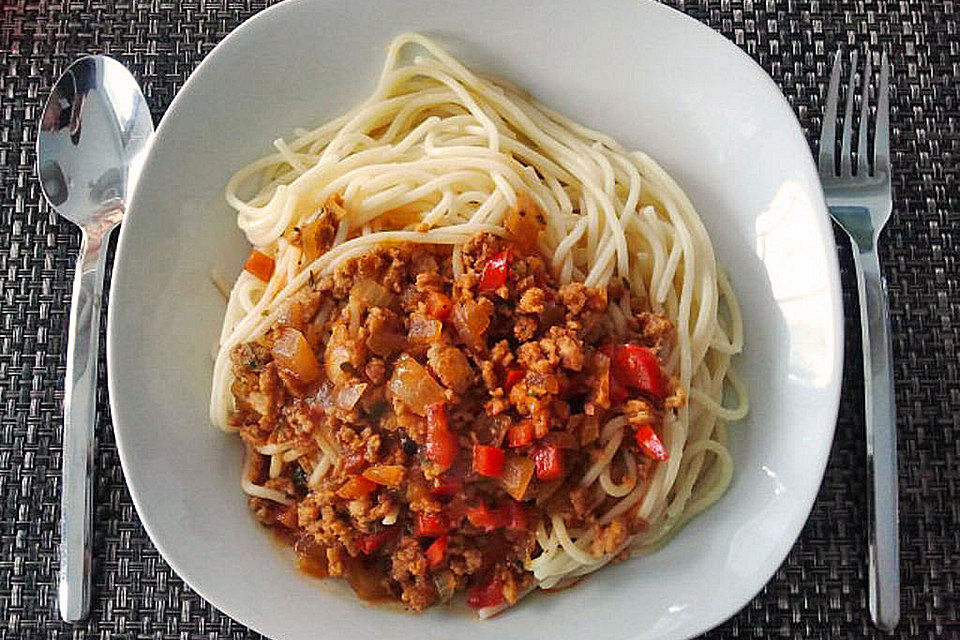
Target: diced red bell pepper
(650, 443)
(260, 265)
(436, 552)
(637, 367)
(486, 594)
(520, 434)
(487, 460)
(431, 524)
(494, 273)
(548, 462)
(618, 392)
(446, 484)
(437, 416)
(441, 445)
(439, 305)
(514, 375)
(368, 543)
(485, 518)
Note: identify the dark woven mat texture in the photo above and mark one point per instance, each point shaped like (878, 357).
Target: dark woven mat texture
(819, 592)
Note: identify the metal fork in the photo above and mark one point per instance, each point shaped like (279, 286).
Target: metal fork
(860, 200)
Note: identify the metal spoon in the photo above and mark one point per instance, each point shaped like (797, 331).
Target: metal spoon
(94, 133)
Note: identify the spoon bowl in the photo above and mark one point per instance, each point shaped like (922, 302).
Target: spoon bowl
(94, 133)
(95, 130)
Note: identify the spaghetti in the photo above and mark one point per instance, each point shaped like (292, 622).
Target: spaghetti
(434, 157)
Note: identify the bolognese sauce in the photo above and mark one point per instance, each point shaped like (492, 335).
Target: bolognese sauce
(419, 423)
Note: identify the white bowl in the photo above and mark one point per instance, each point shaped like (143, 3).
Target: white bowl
(654, 78)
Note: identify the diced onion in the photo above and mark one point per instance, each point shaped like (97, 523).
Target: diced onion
(324, 397)
(366, 294)
(338, 358)
(383, 343)
(369, 293)
(292, 352)
(348, 396)
(423, 329)
(471, 320)
(414, 386)
(446, 585)
(517, 471)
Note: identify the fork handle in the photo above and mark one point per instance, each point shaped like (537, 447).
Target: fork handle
(881, 431)
(79, 419)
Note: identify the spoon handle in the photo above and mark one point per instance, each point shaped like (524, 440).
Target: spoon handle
(79, 420)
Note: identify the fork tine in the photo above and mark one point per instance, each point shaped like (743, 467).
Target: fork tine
(828, 128)
(881, 138)
(845, 154)
(863, 167)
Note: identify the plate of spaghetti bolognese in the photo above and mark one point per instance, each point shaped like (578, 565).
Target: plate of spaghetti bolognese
(475, 312)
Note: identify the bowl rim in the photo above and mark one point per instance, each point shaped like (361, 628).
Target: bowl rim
(832, 392)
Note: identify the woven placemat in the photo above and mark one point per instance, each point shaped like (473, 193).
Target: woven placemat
(819, 592)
